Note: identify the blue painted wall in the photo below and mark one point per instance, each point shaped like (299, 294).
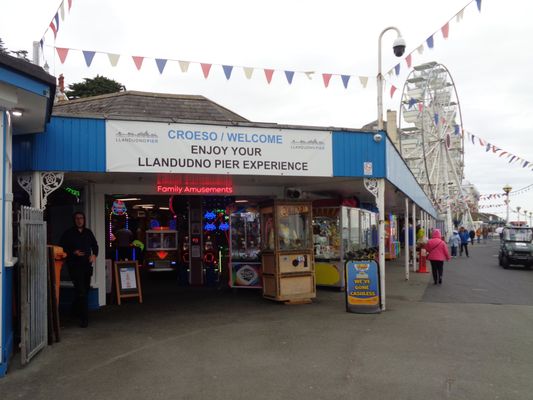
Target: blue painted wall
(68, 144)
(401, 176)
(352, 149)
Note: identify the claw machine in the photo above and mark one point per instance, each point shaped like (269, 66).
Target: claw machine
(245, 242)
(287, 251)
(161, 250)
(327, 228)
(340, 233)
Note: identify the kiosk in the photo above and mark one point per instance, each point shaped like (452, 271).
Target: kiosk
(287, 252)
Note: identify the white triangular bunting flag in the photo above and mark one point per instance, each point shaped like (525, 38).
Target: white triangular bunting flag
(363, 80)
(460, 15)
(309, 74)
(248, 71)
(62, 10)
(184, 65)
(113, 59)
(420, 49)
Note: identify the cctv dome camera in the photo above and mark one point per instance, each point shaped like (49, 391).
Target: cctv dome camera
(399, 46)
(378, 137)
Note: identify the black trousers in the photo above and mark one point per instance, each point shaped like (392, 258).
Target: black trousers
(464, 246)
(80, 274)
(437, 268)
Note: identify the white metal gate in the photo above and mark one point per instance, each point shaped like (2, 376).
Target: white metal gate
(33, 282)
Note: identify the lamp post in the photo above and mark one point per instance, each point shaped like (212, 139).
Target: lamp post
(507, 189)
(399, 47)
(525, 217)
(530, 218)
(518, 214)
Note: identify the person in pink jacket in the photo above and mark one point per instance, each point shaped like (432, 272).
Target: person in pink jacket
(437, 250)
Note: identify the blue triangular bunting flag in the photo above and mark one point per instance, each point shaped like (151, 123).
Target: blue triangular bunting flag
(345, 80)
(478, 2)
(397, 69)
(429, 41)
(56, 18)
(89, 55)
(161, 63)
(41, 42)
(436, 117)
(289, 75)
(227, 70)
(412, 102)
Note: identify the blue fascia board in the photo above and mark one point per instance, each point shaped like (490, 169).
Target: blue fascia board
(23, 82)
(69, 144)
(352, 149)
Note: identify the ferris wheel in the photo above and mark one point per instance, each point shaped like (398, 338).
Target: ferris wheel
(431, 140)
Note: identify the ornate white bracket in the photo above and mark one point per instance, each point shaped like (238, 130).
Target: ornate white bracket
(371, 184)
(24, 182)
(50, 181)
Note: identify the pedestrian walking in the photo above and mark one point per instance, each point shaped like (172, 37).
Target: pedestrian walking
(455, 242)
(485, 234)
(465, 237)
(478, 235)
(472, 235)
(81, 247)
(437, 253)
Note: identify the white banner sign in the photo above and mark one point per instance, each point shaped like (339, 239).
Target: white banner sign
(133, 146)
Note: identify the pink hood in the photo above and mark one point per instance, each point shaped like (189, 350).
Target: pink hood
(436, 234)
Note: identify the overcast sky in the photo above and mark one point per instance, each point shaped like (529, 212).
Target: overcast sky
(489, 55)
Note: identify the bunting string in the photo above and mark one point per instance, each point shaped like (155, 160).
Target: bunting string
(495, 150)
(248, 71)
(54, 23)
(206, 68)
(520, 191)
(429, 42)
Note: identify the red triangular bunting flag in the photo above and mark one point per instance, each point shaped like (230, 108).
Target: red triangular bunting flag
(53, 27)
(62, 53)
(205, 69)
(268, 74)
(326, 78)
(445, 30)
(69, 4)
(392, 90)
(138, 61)
(408, 60)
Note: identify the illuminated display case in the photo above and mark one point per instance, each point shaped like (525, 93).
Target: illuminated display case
(340, 234)
(245, 265)
(287, 251)
(161, 251)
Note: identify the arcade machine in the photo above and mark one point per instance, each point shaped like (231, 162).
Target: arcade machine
(161, 248)
(118, 219)
(215, 227)
(245, 260)
(340, 233)
(287, 251)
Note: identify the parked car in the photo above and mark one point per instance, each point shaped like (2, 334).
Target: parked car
(516, 247)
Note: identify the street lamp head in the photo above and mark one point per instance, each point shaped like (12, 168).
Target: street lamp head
(399, 46)
(507, 189)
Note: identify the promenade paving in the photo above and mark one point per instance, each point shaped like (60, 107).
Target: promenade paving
(465, 339)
